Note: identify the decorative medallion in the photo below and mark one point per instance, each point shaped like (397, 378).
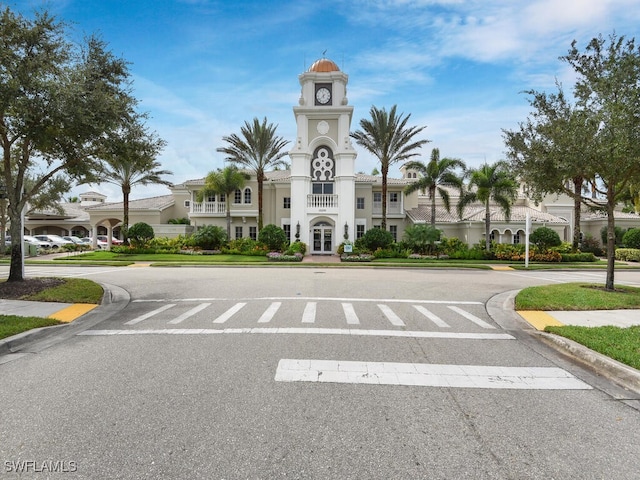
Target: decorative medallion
(323, 127)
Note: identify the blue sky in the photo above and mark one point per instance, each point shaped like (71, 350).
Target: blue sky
(203, 67)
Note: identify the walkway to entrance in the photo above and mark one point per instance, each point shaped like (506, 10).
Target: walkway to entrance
(321, 259)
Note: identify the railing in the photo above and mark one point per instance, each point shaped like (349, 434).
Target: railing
(322, 201)
(208, 207)
(392, 208)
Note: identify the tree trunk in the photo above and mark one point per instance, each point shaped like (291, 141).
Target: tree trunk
(577, 209)
(487, 227)
(228, 203)
(432, 194)
(15, 270)
(611, 240)
(385, 172)
(260, 180)
(125, 208)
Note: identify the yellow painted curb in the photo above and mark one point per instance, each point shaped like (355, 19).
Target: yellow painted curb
(539, 319)
(500, 267)
(139, 265)
(72, 312)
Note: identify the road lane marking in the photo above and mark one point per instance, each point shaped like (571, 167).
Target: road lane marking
(269, 312)
(350, 314)
(309, 314)
(189, 313)
(471, 317)
(427, 375)
(431, 316)
(391, 316)
(150, 314)
(229, 313)
(306, 331)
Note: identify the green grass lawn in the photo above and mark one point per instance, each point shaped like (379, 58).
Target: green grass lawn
(621, 344)
(13, 325)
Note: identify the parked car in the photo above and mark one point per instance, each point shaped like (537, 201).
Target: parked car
(89, 241)
(41, 244)
(74, 239)
(114, 240)
(56, 241)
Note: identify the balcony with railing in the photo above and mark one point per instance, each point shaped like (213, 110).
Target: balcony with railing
(322, 202)
(208, 207)
(393, 208)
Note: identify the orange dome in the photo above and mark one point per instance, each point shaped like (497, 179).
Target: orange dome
(324, 65)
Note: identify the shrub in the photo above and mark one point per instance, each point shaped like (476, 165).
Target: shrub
(421, 238)
(245, 246)
(545, 238)
(628, 254)
(297, 247)
(210, 237)
(374, 239)
(179, 221)
(279, 257)
(273, 237)
(140, 234)
(579, 257)
(363, 257)
(451, 245)
(507, 251)
(591, 244)
(631, 239)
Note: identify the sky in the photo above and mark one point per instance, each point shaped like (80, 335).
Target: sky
(201, 68)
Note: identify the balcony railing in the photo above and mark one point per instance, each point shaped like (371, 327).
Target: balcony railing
(322, 201)
(392, 208)
(208, 207)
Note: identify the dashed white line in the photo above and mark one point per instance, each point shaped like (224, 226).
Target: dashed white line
(350, 314)
(391, 316)
(150, 314)
(189, 313)
(269, 312)
(473, 318)
(229, 313)
(432, 316)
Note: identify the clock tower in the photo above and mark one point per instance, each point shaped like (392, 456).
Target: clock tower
(323, 160)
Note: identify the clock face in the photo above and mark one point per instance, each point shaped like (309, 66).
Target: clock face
(323, 95)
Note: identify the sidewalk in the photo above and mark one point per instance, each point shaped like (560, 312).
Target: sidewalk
(65, 312)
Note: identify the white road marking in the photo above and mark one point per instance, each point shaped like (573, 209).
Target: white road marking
(309, 314)
(269, 312)
(229, 313)
(391, 316)
(150, 314)
(189, 313)
(305, 331)
(428, 375)
(350, 314)
(432, 316)
(471, 317)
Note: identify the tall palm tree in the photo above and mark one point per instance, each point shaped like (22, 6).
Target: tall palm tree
(490, 183)
(225, 182)
(436, 174)
(129, 160)
(257, 149)
(387, 137)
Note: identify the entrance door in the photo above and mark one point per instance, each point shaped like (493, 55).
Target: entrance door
(322, 239)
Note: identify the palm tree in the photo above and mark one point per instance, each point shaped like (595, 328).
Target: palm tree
(257, 149)
(437, 173)
(387, 137)
(129, 160)
(224, 182)
(488, 183)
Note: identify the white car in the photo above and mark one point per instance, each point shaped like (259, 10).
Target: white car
(89, 241)
(56, 241)
(41, 244)
(74, 239)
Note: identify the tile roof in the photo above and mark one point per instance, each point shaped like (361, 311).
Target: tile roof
(151, 203)
(475, 212)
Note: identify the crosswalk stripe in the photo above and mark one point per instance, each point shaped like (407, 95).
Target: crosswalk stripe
(391, 316)
(309, 314)
(269, 312)
(189, 313)
(432, 316)
(350, 314)
(427, 375)
(229, 313)
(150, 314)
(471, 317)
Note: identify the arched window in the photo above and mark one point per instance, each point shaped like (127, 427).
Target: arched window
(247, 195)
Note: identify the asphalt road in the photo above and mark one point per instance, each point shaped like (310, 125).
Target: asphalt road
(225, 373)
